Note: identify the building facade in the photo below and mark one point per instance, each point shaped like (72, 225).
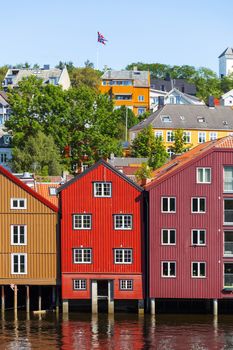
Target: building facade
(191, 225)
(226, 62)
(128, 88)
(102, 238)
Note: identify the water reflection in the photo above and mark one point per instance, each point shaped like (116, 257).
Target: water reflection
(120, 331)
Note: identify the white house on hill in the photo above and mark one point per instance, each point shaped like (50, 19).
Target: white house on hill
(226, 62)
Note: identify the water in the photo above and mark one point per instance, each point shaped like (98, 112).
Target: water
(121, 331)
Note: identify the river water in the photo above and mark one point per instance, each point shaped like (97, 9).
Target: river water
(121, 331)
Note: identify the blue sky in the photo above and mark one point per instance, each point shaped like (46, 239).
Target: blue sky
(165, 31)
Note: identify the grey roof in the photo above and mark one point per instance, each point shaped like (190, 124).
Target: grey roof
(122, 161)
(140, 78)
(44, 74)
(188, 117)
(169, 84)
(228, 51)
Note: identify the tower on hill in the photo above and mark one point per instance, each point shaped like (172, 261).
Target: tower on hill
(226, 62)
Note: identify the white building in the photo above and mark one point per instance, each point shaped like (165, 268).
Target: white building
(226, 62)
(227, 99)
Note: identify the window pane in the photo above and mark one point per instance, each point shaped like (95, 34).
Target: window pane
(207, 175)
(22, 263)
(15, 234)
(195, 269)
(202, 237)
(172, 236)
(172, 269)
(228, 179)
(200, 175)
(165, 236)
(202, 204)
(21, 203)
(15, 263)
(194, 204)
(165, 204)
(195, 239)
(202, 269)
(22, 235)
(165, 269)
(172, 204)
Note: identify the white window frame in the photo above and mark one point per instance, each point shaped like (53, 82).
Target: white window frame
(159, 133)
(198, 237)
(18, 201)
(215, 136)
(169, 263)
(187, 135)
(201, 135)
(204, 169)
(81, 284)
(170, 152)
(12, 263)
(52, 191)
(227, 223)
(169, 204)
(126, 284)
(141, 98)
(198, 205)
(198, 268)
(124, 250)
(82, 222)
(18, 234)
(169, 236)
(170, 136)
(102, 189)
(224, 190)
(83, 250)
(123, 222)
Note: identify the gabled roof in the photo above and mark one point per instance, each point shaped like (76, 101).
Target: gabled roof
(227, 94)
(107, 165)
(177, 83)
(44, 190)
(26, 188)
(187, 158)
(140, 78)
(217, 118)
(228, 51)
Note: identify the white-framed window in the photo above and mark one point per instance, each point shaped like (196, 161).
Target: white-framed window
(123, 222)
(79, 284)
(102, 189)
(123, 256)
(228, 211)
(198, 205)
(228, 178)
(187, 136)
(3, 158)
(82, 221)
(126, 284)
(168, 236)
(140, 98)
(168, 204)
(170, 152)
(141, 110)
(198, 237)
(201, 137)
(228, 243)
(166, 118)
(82, 255)
(19, 264)
(18, 234)
(213, 136)
(168, 269)
(170, 136)
(52, 191)
(18, 203)
(159, 133)
(172, 100)
(198, 269)
(204, 175)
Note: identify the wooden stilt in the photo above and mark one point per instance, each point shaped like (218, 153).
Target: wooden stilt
(57, 300)
(3, 299)
(15, 301)
(27, 300)
(53, 295)
(39, 299)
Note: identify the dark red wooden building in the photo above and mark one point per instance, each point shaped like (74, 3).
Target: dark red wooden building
(191, 225)
(102, 237)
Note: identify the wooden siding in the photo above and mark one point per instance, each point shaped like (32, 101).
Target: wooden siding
(102, 238)
(183, 186)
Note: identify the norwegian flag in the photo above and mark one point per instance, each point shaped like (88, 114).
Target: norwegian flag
(101, 39)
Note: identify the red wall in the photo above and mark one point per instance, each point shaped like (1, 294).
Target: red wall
(183, 186)
(102, 238)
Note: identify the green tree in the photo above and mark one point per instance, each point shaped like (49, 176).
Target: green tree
(3, 71)
(39, 155)
(159, 156)
(86, 76)
(121, 114)
(144, 144)
(144, 172)
(207, 83)
(179, 145)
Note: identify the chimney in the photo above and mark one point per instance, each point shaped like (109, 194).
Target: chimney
(211, 102)
(160, 101)
(46, 66)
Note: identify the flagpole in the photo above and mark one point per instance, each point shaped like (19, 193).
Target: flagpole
(97, 57)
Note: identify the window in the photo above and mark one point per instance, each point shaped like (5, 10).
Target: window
(198, 269)
(159, 134)
(187, 136)
(141, 98)
(168, 205)
(3, 157)
(170, 152)
(52, 191)
(170, 136)
(168, 236)
(201, 119)
(228, 179)
(228, 243)
(228, 211)
(178, 100)
(82, 256)
(172, 100)
(123, 97)
(18, 234)
(18, 203)
(141, 110)
(213, 136)
(80, 284)
(166, 118)
(198, 237)
(102, 189)
(126, 284)
(123, 256)
(201, 137)
(82, 221)
(168, 269)
(204, 175)
(198, 205)
(18, 263)
(228, 275)
(123, 222)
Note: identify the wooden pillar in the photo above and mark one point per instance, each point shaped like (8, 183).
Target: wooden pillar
(53, 296)
(152, 306)
(65, 306)
(141, 307)
(3, 299)
(110, 298)
(57, 300)
(215, 307)
(39, 298)
(94, 298)
(15, 301)
(27, 300)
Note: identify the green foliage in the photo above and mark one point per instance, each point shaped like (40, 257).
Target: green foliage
(3, 71)
(39, 155)
(144, 172)
(160, 155)
(87, 76)
(179, 146)
(120, 116)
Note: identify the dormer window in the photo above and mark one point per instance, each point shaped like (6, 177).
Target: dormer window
(225, 122)
(166, 118)
(52, 191)
(201, 119)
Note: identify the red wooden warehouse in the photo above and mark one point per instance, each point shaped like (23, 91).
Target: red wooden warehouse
(101, 237)
(191, 225)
